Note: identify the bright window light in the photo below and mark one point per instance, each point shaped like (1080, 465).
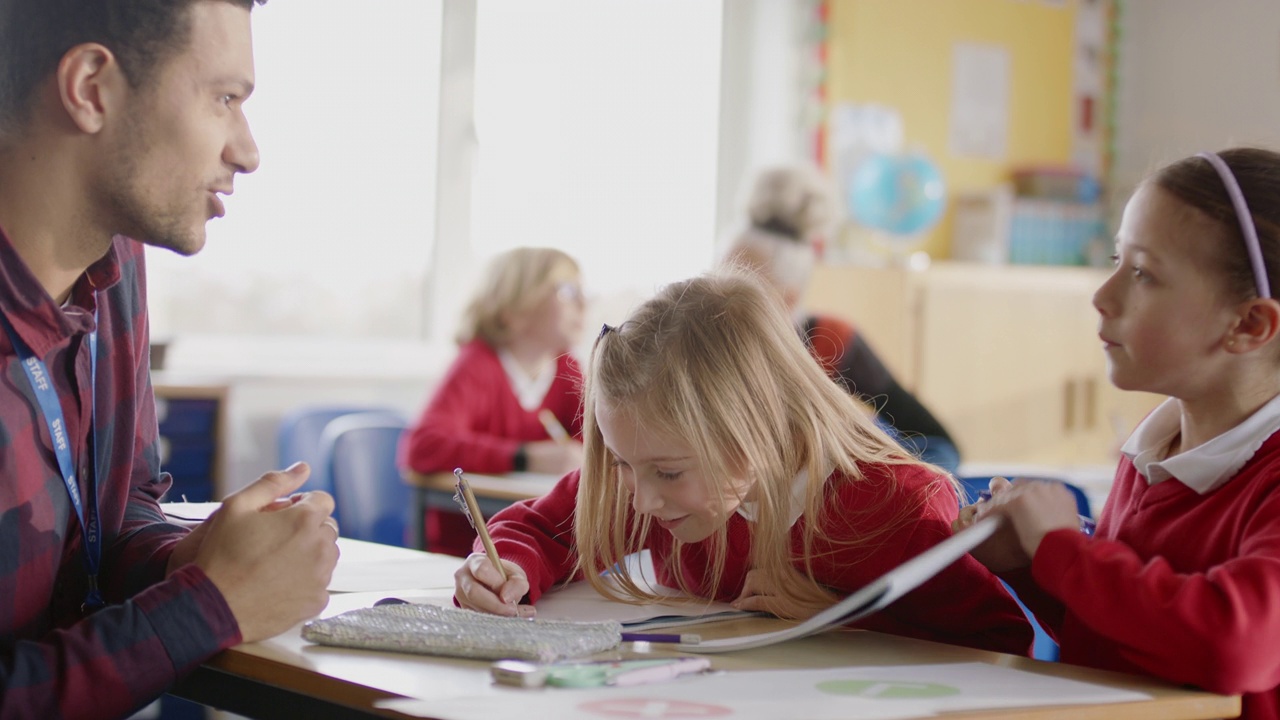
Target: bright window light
(596, 123)
(332, 235)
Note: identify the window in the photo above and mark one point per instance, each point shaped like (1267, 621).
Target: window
(596, 125)
(332, 235)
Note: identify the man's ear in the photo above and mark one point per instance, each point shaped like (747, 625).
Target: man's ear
(90, 84)
(1257, 325)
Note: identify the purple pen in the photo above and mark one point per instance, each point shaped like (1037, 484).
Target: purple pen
(661, 638)
(1087, 525)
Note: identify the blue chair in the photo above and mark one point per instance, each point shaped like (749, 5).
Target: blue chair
(372, 500)
(933, 449)
(973, 484)
(1044, 647)
(298, 438)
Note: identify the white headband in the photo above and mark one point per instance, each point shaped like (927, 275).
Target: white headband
(1246, 222)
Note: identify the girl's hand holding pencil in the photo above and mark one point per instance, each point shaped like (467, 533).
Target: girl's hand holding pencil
(1032, 510)
(478, 586)
(485, 581)
(560, 454)
(553, 458)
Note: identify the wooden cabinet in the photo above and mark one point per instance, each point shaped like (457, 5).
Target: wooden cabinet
(1007, 357)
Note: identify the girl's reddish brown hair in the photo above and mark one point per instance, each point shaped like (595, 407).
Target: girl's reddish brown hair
(1195, 182)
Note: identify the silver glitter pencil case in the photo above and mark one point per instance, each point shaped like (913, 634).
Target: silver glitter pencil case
(434, 630)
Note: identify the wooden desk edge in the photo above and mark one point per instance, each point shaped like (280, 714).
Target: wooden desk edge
(302, 681)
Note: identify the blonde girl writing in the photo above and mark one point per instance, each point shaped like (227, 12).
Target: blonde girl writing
(713, 439)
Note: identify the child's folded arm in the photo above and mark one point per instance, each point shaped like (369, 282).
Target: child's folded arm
(451, 430)
(1208, 629)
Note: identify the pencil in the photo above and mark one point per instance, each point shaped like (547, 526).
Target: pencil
(553, 426)
(477, 520)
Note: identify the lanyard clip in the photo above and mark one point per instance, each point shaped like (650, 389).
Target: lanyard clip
(93, 599)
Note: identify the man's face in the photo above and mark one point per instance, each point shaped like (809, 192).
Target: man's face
(185, 135)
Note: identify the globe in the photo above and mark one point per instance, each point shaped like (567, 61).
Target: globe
(899, 194)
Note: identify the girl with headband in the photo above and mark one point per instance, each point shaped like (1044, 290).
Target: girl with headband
(1182, 578)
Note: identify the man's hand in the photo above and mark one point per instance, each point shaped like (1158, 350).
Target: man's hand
(188, 547)
(269, 554)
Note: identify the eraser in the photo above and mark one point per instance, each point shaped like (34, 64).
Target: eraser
(518, 673)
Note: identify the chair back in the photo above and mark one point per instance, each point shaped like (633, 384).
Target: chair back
(373, 501)
(298, 438)
(1044, 647)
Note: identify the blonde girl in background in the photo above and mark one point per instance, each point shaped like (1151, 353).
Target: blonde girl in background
(790, 215)
(513, 363)
(1182, 577)
(714, 441)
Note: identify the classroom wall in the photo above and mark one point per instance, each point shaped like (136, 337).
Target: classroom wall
(760, 100)
(899, 53)
(1194, 76)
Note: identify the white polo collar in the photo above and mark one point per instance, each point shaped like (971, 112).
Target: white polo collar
(530, 391)
(799, 488)
(1204, 468)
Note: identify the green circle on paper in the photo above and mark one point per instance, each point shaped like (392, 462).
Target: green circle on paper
(886, 689)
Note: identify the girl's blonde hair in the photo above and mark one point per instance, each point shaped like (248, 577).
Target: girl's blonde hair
(715, 361)
(513, 282)
(789, 209)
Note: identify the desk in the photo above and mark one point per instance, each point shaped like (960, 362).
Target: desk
(288, 677)
(493, 492)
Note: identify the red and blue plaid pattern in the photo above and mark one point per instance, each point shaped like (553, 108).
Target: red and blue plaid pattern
(54, 661)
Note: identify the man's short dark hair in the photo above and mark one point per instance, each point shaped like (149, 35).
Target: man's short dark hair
(35, 34)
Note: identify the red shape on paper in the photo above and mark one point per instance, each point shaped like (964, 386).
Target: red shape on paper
(650, 708)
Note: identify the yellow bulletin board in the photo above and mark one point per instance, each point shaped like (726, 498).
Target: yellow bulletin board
(899, 53)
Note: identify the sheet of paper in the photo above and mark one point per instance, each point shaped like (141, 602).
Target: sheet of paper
(362, 566)
(980, 100)
(904, 691)
(874, 596)
(189, 511)
(368, 567)
(699, 697)
(580, 601)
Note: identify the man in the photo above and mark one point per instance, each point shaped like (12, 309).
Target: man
(121, 123)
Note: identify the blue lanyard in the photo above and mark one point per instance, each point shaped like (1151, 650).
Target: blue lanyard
(47, 397)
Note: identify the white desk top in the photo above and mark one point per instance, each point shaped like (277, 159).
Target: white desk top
(358, 678)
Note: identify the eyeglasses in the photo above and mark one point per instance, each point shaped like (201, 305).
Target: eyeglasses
(569, 292)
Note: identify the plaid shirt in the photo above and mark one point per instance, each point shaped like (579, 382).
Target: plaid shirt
(54, 661)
